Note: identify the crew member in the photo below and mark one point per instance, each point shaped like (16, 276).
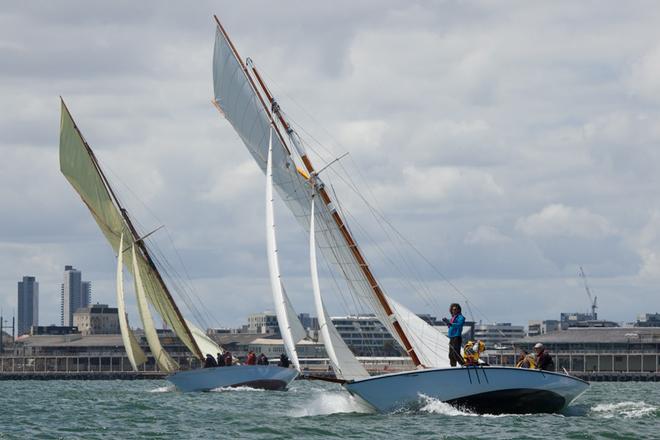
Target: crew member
(221, 360)
(284, 361)
(251, 358)
(262, 359)
(543, 359)
(210, 361)
(525, 360)
(472, 351)
(229, 360)
(454, 333)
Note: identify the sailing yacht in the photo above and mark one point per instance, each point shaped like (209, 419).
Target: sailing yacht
(242, 97)
(83, 171)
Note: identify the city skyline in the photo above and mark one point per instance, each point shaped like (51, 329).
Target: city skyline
(509, 156)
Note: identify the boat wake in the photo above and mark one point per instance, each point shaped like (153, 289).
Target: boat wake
(627, 410)
(165, 389)
(334, 402)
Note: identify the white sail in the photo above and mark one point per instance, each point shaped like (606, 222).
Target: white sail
(298, 332)
(133, 350)
(206, 344)
(163, 359)
(284, 316)
(344, 363)
(430, 343)
(241, 106)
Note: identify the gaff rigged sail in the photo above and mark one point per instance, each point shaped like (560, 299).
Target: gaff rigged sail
(244, 107)
(80, 167)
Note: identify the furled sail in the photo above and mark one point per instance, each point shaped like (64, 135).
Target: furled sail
(283, 309)
(133, 350)
(344, 363)
(163, 359)
(80, 167)
(431, 344)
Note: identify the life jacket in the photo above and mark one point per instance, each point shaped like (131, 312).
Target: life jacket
(471, 352)
(529, 360)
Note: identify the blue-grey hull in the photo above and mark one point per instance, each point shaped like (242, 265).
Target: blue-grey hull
(253, 376)
(493, 390)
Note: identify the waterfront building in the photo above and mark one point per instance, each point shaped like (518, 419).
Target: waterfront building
(648, 320)
(28, 304)
(98, 319)
(52, 330)
(535, 328)
(75, 294)
(366, 336)
(263, 323)
(600, 352)
(309, 323)
(576, 319)
(499, 334)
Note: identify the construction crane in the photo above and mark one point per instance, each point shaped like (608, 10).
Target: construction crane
(592, 302)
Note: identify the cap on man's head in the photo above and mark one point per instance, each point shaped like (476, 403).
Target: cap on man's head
(539, 345)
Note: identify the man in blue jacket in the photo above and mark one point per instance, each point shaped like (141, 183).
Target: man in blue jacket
(455, 333)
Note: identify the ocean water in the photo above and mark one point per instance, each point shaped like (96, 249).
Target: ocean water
(154, 410)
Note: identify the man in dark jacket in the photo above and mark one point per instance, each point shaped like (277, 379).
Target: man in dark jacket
(221, 360)
(455, 334)
(543, 360)
(210, 361)
(284, 361)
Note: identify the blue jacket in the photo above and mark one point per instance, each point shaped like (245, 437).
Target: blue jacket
(456, 328)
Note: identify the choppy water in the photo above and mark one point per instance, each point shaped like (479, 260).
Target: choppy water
(152, 409)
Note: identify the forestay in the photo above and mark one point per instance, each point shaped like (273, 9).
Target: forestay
(134, 352)
(344, 363)
(79, 166)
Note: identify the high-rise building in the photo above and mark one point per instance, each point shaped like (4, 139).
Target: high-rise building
(75, 294)
(28, 304)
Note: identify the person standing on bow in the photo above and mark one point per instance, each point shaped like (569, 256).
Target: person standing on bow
(455, 334)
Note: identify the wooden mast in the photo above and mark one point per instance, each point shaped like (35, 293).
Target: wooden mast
(135, 234)
(348, 238)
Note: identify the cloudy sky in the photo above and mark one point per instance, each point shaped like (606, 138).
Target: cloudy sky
(509, 142)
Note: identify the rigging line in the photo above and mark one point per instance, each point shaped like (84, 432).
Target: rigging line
(153, 214)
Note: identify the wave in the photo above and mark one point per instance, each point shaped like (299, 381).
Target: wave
(334, 402)
(627, 410)
(434, 406)
(165, 389)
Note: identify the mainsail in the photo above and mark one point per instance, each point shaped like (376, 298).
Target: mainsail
(344, 363)
(80, 167)
(241, 102)
(286, 316)
(133, 350)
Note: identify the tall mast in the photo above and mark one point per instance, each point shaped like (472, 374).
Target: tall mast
(348, 238)
(136, 236)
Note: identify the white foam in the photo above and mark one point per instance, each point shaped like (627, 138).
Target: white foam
(165, 389)
(239, 389)
(627, 410)
(435, 406)
(331, 402)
